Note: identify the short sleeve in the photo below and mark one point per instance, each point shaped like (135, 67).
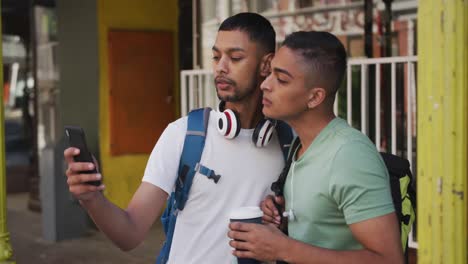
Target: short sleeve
(360, 183)
(163, 163)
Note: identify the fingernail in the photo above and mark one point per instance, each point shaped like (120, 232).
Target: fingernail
(90, 166)
(98, 176)
(76, 151)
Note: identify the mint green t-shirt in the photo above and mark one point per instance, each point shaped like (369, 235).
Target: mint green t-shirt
(339, 180)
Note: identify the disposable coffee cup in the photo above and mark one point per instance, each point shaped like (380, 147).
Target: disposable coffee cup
(248, 214)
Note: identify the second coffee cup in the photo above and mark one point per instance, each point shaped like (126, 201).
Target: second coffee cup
(247, 214)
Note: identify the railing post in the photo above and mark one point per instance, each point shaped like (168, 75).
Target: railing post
(183, 94)
(442, 161)
(6, 252)
(349, 94)
(196, 90)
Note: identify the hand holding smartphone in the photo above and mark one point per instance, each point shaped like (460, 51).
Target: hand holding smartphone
(76, 138)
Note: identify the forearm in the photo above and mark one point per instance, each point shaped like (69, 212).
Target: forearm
(114, 222)
(301, 253)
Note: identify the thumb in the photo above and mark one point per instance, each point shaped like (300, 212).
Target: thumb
(279, 200)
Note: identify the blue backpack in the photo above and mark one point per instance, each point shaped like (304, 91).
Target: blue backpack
(194, 143)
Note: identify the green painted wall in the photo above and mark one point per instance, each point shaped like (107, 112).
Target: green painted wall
(442, 132)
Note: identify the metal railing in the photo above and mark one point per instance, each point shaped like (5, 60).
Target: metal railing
(402, 124)
(197, 90)
(410, 97)
(394, 114)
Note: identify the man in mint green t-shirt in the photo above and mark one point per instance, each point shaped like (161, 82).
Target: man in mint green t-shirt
(337, 192)
(338, 181)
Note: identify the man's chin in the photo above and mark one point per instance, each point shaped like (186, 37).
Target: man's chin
(221, 95)
(227, 97)
(268, 113)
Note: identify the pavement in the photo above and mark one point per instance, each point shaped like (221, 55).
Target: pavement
(28, 245)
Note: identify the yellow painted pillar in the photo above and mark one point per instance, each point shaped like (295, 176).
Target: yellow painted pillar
(442, 131)
(5, 248)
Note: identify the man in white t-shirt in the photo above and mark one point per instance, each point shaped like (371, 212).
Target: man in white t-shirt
(242, 53)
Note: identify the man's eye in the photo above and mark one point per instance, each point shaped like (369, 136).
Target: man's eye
(281, 81)
(215, 58)
(236, 59)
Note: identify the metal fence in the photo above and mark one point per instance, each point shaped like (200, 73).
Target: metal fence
(394, 86)
(197, 90)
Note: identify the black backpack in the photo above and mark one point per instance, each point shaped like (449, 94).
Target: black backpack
(403, 193)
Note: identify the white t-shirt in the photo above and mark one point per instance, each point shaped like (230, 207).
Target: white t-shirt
(246, 175)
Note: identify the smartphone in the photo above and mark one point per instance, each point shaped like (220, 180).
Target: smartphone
(76, 138)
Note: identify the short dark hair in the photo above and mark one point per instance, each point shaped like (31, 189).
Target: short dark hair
(256, 26)
(325, 55)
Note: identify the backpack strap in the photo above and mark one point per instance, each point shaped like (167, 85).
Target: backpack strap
(278, 186)
(285, 137)
(197, 125)
(194, 143)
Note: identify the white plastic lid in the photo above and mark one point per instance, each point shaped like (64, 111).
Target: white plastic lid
(247, 212)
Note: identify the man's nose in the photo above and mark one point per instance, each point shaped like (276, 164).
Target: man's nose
(222, 66)
(265, 86)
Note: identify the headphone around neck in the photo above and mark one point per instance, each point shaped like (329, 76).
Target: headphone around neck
(229, 126)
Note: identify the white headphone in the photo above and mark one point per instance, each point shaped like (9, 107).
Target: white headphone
(228, 123)
(290, 213)
(229, 126)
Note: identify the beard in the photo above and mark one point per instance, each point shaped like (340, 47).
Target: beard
(239, 93)
(236, 97)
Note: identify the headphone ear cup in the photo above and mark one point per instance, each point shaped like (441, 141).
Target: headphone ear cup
(229, 124)
(222, 123)
(235, 124)
(263, 133)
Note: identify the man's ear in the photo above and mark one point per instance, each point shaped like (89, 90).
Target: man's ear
(265, 64)
(316, 97)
